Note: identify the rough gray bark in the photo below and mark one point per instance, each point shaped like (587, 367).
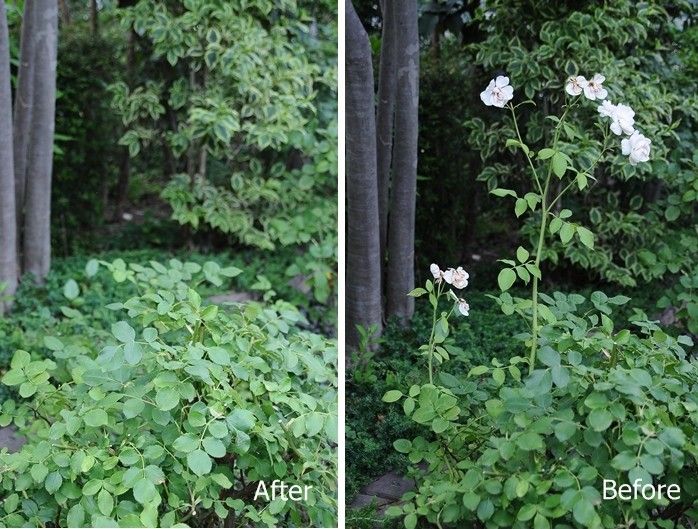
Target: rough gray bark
(23, 104)
(363, 293)
(8, 215)
(404, 179)
(37, 206)
(384, 117)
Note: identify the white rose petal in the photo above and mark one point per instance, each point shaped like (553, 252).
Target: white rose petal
(463, 307)
(460, 278)
(622, 117)
(575, 85)
(594, 88)
(637, 148)
(435, 270)
(498, 93)
(447, 275)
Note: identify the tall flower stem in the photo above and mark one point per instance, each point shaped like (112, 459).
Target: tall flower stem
(545, 211)
(435, 304)
(534, 293)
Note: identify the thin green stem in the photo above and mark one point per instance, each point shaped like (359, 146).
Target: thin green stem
(534, 295)
(433, 333)
(530, 162)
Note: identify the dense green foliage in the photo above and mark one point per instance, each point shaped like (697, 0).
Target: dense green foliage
(246, 110)
(511, 450)
(206, 388)
(643, 216)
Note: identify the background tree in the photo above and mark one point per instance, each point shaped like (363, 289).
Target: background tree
(385, 116)
(363, 294)
(404, 175)
(37, 205)
(8, 218)
(394, 156)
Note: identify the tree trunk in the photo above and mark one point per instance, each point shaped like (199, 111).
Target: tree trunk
(8, 215)
(384, 117)
(124, 156)
(94, 17)
(64, 11)
(404, 182)
(363, 294)
(23, 106)
(37, 217)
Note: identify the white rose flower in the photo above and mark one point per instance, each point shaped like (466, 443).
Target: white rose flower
(594, 89)
(575, 85)
(435, 271)
(607, 109)
(625, 119)
(622, 117)
(447, 275)
(637, 147)
(498, 93)
(460, 278)
(463, 307)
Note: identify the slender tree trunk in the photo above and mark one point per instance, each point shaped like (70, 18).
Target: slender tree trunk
(404, 181)
(94, 17)
(8, 215)
(37, 217)
(124, 156)
(64, 11)
(384, 117)
(363, 295)
(23, 107)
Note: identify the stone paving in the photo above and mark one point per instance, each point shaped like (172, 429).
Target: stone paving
(385, 491)
(10, 439)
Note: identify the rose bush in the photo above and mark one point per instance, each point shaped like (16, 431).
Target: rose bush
(172, 415)
(527, 443)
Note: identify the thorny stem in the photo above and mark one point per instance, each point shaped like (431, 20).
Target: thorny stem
(545, 211)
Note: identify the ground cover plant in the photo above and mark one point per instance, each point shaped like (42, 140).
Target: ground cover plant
(528, 441)
(172, 413)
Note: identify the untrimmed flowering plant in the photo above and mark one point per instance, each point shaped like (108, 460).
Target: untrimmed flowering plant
(458, 279)
(506, 447)
(552, 162)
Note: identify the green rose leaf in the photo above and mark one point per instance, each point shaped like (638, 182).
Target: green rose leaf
(506, 279)
(53, 482)
(214, 447)
(71, 290)
(144, 491)
(96, 418)
(392, 396)
(76, 516)
(219, 356)
(133, 408)
(166, 399)
(529, 441)
(600, 419)
(241, 419)
(186, 443)
(132, 353)
(105, 502)
(123, 332)
(199, 462)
